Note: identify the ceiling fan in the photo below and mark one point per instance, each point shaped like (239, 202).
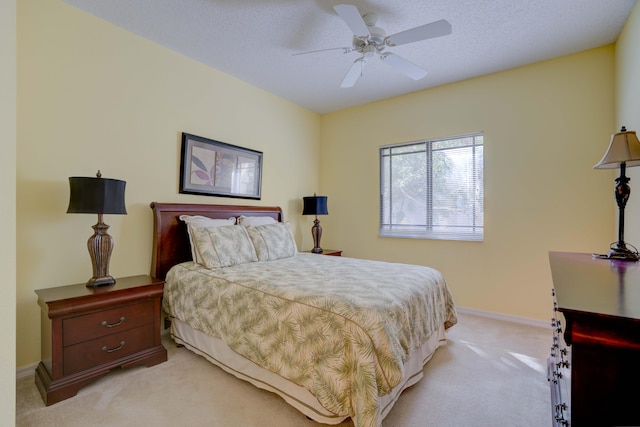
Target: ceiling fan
(370, 41)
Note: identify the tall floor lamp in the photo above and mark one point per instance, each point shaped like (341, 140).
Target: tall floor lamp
(98, 196)
(623, 152)
(315, 205)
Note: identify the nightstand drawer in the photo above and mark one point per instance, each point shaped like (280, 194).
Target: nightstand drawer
(90, 354)
(94, 325)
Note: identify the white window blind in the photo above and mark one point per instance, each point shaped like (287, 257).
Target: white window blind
(433, 189)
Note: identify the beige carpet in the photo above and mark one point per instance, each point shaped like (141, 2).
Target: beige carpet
(490, 373)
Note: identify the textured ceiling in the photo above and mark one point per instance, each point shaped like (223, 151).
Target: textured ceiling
(254, 40)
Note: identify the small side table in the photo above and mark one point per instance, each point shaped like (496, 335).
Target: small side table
(87, 332)
(331, 252)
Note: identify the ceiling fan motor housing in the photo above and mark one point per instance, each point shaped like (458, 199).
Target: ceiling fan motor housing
(376, 34)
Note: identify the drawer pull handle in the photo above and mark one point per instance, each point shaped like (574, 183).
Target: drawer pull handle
(111, 325)
(111, 350)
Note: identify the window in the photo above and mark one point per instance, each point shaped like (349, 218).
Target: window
(433, 189)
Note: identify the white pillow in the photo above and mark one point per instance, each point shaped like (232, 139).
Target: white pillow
(250, 221)
(273, 241)
(195, 221)
(224, 246)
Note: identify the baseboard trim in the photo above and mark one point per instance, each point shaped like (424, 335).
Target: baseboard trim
(26, 371)
(503, 317)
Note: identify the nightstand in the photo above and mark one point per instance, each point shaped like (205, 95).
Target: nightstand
(331, 252)
(88, 331)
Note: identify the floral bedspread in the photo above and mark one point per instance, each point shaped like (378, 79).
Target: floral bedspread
(339, 327)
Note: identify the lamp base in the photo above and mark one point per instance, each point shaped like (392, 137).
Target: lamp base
(100, 246)
(316, 232)
(100, 281)
(621, 253)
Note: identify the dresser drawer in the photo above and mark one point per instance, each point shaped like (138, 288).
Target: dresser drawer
(90, 354)
(90, 326)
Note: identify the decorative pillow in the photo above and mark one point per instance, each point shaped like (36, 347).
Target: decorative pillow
(223, 246)
(195, 221)
(252, 221)
(272, 241)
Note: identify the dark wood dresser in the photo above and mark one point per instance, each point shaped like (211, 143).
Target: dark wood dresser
(87, 331)
(594, 368)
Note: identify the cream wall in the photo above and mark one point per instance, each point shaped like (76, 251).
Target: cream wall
(8, 211)
(93, 96)
(627, 109)
(545, 126)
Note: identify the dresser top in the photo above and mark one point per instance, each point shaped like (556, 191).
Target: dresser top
(599, 286)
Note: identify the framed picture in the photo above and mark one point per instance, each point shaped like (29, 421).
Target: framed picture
(213, 168)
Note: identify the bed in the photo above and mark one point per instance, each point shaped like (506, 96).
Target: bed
(335, 337)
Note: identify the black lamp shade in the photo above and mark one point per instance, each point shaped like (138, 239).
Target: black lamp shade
(315, 205)
(96, 196)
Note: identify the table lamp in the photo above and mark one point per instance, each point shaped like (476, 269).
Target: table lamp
(98, 196)
(315, 205)
(623, 152)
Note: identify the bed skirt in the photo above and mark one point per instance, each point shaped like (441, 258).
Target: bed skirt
(218, 353)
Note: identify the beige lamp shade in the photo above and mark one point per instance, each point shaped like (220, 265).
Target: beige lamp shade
(623, 148)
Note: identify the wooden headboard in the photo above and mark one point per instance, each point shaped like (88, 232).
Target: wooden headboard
(170, 240)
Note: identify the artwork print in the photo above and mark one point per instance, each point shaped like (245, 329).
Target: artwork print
(214, 168)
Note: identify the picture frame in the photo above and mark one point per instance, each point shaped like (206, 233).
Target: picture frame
(213, 168)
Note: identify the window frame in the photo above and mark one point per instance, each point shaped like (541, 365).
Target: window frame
(430, 230)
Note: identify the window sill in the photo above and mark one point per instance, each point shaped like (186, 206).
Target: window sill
(431, 236)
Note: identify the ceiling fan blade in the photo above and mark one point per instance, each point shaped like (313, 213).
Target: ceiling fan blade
(423, 32)
(354, 72)
(353, 19)
(344, 50)
(403, 65)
